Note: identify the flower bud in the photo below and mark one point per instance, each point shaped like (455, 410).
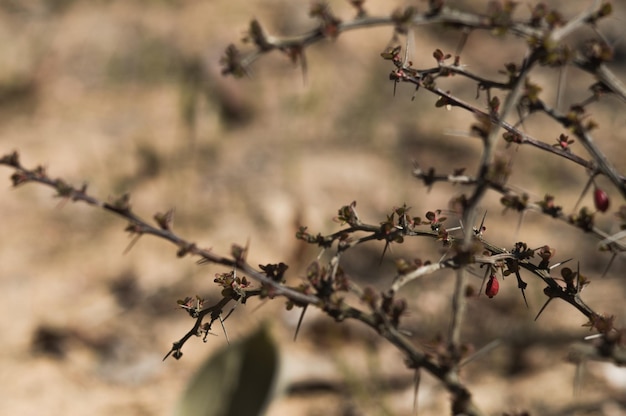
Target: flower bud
(601, 200)
(492, 286)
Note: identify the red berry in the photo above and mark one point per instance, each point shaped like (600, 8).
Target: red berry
(492, 286)
(601, 199)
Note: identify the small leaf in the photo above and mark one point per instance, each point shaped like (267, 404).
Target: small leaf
(237, 380)
(438, 55)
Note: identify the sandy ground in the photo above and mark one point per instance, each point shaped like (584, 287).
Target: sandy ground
(109, 93)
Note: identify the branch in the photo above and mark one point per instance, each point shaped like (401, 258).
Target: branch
(138, 226)
(385, 314)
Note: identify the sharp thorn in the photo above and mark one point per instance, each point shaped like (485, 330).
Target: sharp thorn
(224, 329)
(542, 308)
(295, 336)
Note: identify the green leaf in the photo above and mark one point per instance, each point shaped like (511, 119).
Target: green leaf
(238, 380)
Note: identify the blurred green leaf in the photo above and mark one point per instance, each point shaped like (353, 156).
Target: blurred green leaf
(238, 380)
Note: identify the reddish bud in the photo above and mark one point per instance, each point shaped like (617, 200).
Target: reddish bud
(492, 286)
(601, 200)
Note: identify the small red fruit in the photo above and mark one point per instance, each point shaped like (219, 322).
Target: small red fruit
(601, 200)
(492, 286)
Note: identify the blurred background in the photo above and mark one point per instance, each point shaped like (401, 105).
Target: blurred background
(127, 96)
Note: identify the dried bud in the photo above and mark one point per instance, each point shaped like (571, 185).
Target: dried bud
(165, 220)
